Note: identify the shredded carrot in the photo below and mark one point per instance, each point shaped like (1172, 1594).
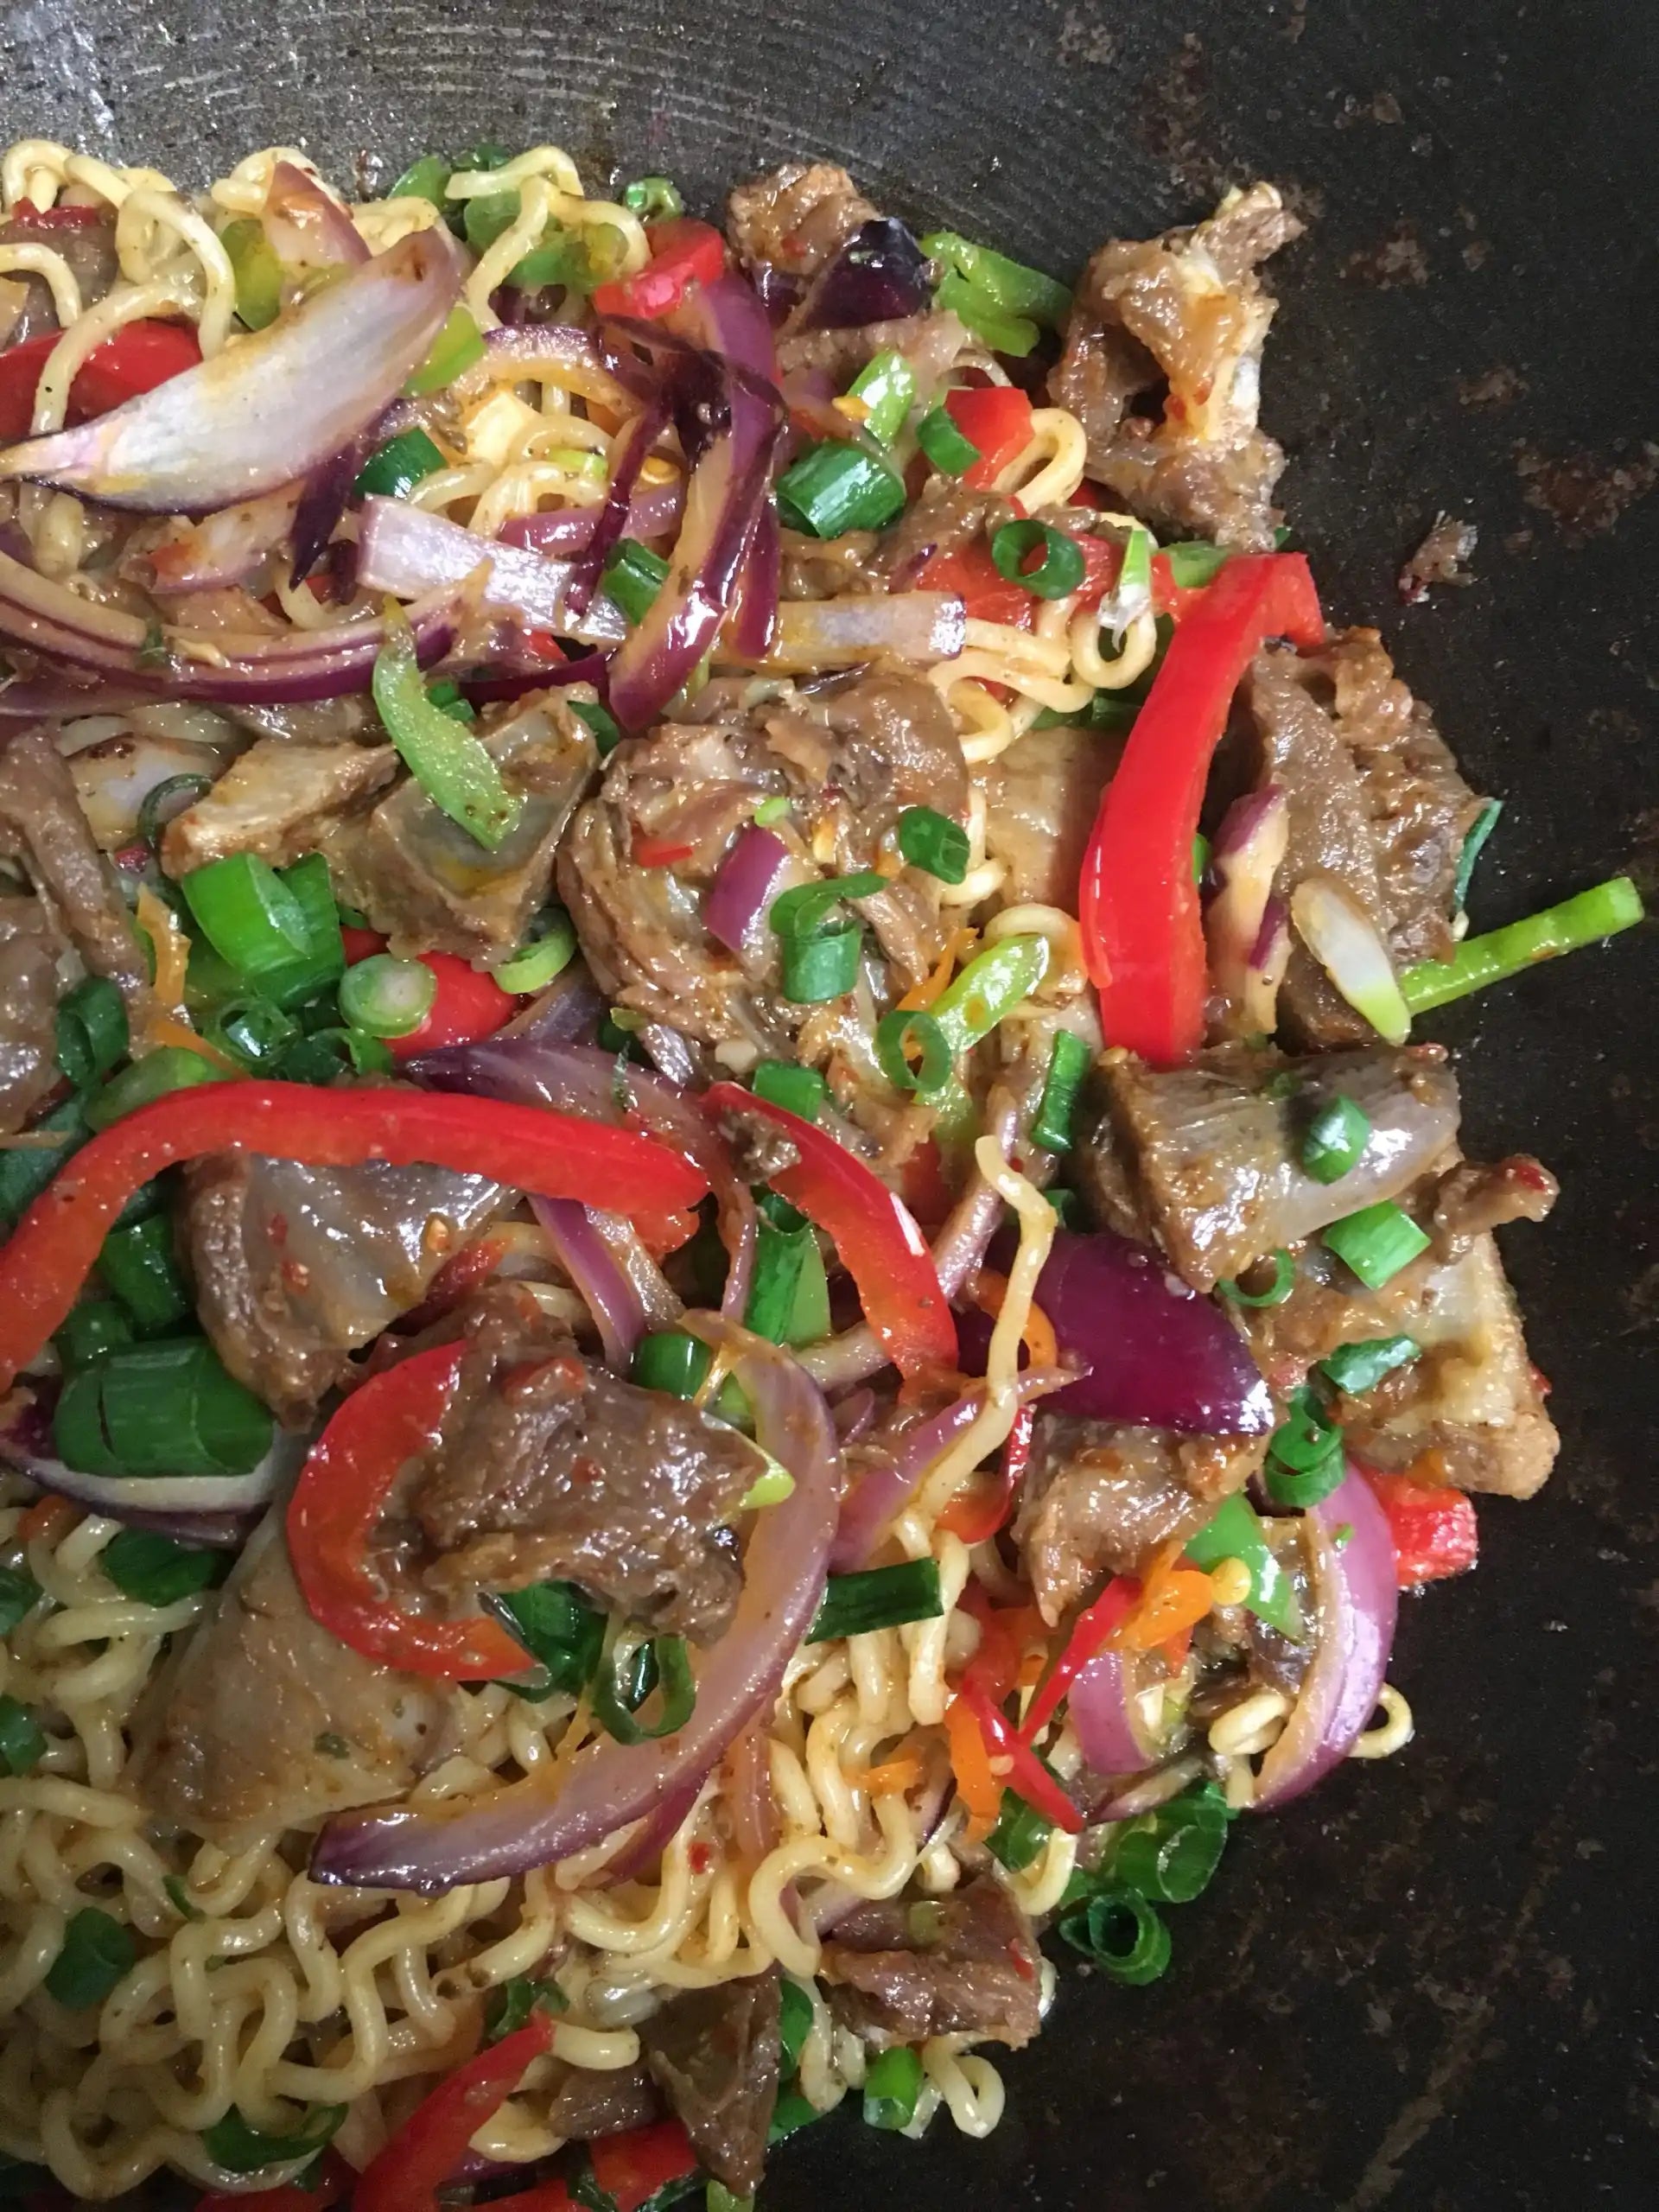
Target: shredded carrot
(988, 1289)
(891, 1778)
(167, 1029)
(970, 1762)
(923, 994)
(169, 945)
(50, 1517)
(1173, 1599)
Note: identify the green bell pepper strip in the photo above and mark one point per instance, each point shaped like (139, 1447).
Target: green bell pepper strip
(452, 767)
(989, 988)
(1235, 1531)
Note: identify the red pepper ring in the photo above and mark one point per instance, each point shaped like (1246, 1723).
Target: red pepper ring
(1137, 905)
(874, 1235)
(406, 2175)
(1094, 1629)
(341, 1495)
(56, 1245)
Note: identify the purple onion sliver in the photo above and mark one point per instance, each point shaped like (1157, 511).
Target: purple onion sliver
(627, 458)
(879, 276)
(655, 1832)
(743, 885)
(322, 503)
(753, 623)
(618, 1314)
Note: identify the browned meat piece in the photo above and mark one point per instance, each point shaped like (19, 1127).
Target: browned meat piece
(932, 344)
(428, 884)
(1473, 1198)
(965, 1964)
(549, 1466)
(1181, 318)
(42, 823)
(1376, 803)
(1099, 1496)
(1041, 798)
(714, 2052)
(831, 567)
(1442, 558)
(31, 953)
(1215, 1147)
(588, 2104)
(262, 1720)
(272, 801)
(797, 217)
(89, 249)
(296, 1266)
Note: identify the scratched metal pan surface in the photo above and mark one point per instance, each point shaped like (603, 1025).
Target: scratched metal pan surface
(1432, 1984)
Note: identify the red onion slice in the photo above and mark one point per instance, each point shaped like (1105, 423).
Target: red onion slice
(622, 1309)
(743, 886)
(609, 1784)
(567, 529)
(1355, 1606)
(653, 1835)
(403, 550)
(753, 622)
(306, 229)
(270, 408)
(219, 1510)
(924, 626)
(1106, 1716)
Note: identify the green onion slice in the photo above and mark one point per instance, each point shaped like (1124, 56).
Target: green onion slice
(834, 488)
(386, 996)
(651, 198)
(172, 1067)
(1009, 285)
(1068, 1064)
(620, 1689)
(97, 1325)
(1336, 1139)
(894, 1033)
(1359, 1367)
(1193, 564)
(547, 952)
(989, 988)
(1284, 1281)
(1305, 1462)
(562, 1633)
(934, 843)
(1122, 1933)
(137, 1263)
(631, 577)
(893, 2085)
(92, 1030)
(607, 731)
(166, 799)
(22, 1740)
(19, 1595)
(1493, 958)
(98, 1951)
(153, 1570)
(880, 1597)
(945, 443)
(392, 470)
(1376, 1242)
(241, 2148)
(1479, 830)
(164, 1409)
(886, 386)
(799, 1091)
(255, 269)
(1061, 569)
(252, 1031)
(511, 2002)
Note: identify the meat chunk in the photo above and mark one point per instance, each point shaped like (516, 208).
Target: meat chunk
(1099, 1495)
(589, 2103)
(1473, 1197)
(31, 956)
(272, 801)
(945, 518)
(1374, 800)
(1182, 318)
(549, 1466)
(42, 824)
(716, 2053)
(263, 1721)
(931, 345)
(295, 1266)
(1041, 798)
(1215, 1147)
(966, 1964)
(89, 249)
(428, 884)
(796, 218)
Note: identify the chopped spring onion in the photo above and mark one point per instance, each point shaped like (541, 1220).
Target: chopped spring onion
(782, 1083)
(607, 731)
(386, 996)
(1008, 285)
(452, 767)
(619, 1689)
(559, 1629)
(1493, 958)
(1234, 1530)
(771, 811)
(424, 178)
(92, 1030)
(789, 1298)
(173, 1067)
(950, 449)
(880, 1597)
(280, 933)
(1358, 1367)
(789, 2115)
(1284, 1281)
(794, 2024)
(241, 2148)
(672, 1361)
(165, 1408)
(892, 2085)
(819, 955)
(326, 1055)
(1336, 1139)
(511, 2002)
(97, 1325)
(992, 984)
(1200, 856)
(632, 576)
(1068, 1064)
(257, 271)
(1123, 1934)
(1193, 564)
(895, 1033)
(934, 843)
(97, 1949)
(1479, 830)
(1376, 1242)
(1013, 334)
(1305, 1462)
(1171, 1855)
(886, 386)
(392, 470)
(153, 1570)
(446, 694)
(651, 198)
(138, 1266)
(1020, 1833)
(19, 1595)
(167, 799)
(22, 1740)
(834, 488)
(547, 952)
(252, 1031)
(1060, 570)
(25, 1170)
(458, 345)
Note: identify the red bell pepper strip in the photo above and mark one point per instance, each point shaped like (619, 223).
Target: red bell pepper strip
(1005, 1634)
(135, 360)
(423, 2154)
(1433, 1526)
(975, 1515)
(337, 1502)
(997, 419)
(1016, 1765)
(632, 2168)
(54, 1246)
(1096, 1626)
(468, 1005)
(683, 252)
(332, 2185)
(1138, 905)
(873, 1231)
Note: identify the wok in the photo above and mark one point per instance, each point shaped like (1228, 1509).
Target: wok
(1430, 1985)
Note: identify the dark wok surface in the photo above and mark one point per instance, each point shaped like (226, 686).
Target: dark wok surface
(1433, 1986)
